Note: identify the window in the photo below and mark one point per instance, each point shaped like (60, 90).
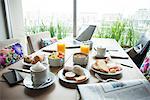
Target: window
(119, 19)
(122, 20)
(48, 15)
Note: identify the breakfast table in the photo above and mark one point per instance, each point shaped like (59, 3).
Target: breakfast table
(60, 90)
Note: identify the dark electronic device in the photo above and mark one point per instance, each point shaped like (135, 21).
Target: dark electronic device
(12, 77)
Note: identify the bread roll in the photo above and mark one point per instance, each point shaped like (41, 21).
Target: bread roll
(27, 59)
(80, 78)
(68, 68)
(70, 75)
(38, 58)
(34, 62)
(94, 66)
(101, 65)
(78, 70)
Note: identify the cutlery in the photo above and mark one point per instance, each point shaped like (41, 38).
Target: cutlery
(126, 65)
(50, 51)
(72, 47)
(44, 83)
(107, 80)
(21, 70)
(117, 57)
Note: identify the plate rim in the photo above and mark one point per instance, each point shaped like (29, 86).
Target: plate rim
(27, 64)
(60, 74)
(41, 87)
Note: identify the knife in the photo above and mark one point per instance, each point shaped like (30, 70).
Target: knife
(21, 70)
(72, 47)
(126, 65)
(116, 57)
(50, 51)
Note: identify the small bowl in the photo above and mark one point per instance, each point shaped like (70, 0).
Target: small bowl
(56, 62)
(80, 59)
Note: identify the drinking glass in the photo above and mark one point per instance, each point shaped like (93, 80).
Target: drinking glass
(85, 48)
(61, 47)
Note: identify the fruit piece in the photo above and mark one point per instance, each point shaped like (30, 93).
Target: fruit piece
(61, 56)
(112, 70)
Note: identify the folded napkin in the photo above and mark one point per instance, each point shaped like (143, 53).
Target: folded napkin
(121, 90)
(118, 55)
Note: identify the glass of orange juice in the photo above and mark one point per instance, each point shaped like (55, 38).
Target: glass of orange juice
(61, 47)
(85, 48)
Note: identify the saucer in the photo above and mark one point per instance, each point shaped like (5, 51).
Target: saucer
(28, 83)
(100, 57)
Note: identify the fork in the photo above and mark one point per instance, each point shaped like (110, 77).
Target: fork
(107, 80)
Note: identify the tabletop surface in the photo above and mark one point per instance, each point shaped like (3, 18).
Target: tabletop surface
(61, 90)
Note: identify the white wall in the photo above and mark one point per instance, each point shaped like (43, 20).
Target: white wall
(17, 25)
(2, 24)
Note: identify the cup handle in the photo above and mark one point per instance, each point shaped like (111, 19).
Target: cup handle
(32, 76)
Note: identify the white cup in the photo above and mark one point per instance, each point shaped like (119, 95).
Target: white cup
(38, 76)
(101, 52)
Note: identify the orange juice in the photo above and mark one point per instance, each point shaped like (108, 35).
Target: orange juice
(61, 47)
(85, 49)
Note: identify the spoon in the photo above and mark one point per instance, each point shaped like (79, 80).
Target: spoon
(107, 80)
(44, 83)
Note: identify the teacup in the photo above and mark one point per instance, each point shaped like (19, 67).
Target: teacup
(80, 59)
(101, 51)
(38, 74)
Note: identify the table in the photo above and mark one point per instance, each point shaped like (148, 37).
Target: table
(60, 91)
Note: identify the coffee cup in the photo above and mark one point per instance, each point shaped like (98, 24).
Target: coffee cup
(80, 59)
(101, 51)
(38, 74)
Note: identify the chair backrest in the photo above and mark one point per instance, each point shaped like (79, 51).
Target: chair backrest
(87, 33)
(143, 46)
(34, 41)
(145, 37)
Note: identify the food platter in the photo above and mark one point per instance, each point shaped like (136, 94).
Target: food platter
(62, 77)
(103, 73)
(113, 69)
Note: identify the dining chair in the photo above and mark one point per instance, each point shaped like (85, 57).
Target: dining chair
(139, 51)
(34, 40)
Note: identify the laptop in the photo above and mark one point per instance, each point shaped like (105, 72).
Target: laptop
(84, 36)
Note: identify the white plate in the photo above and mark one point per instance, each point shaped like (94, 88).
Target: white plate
(27, 64)
(62, 77)
(110, 74)
(28, 83)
